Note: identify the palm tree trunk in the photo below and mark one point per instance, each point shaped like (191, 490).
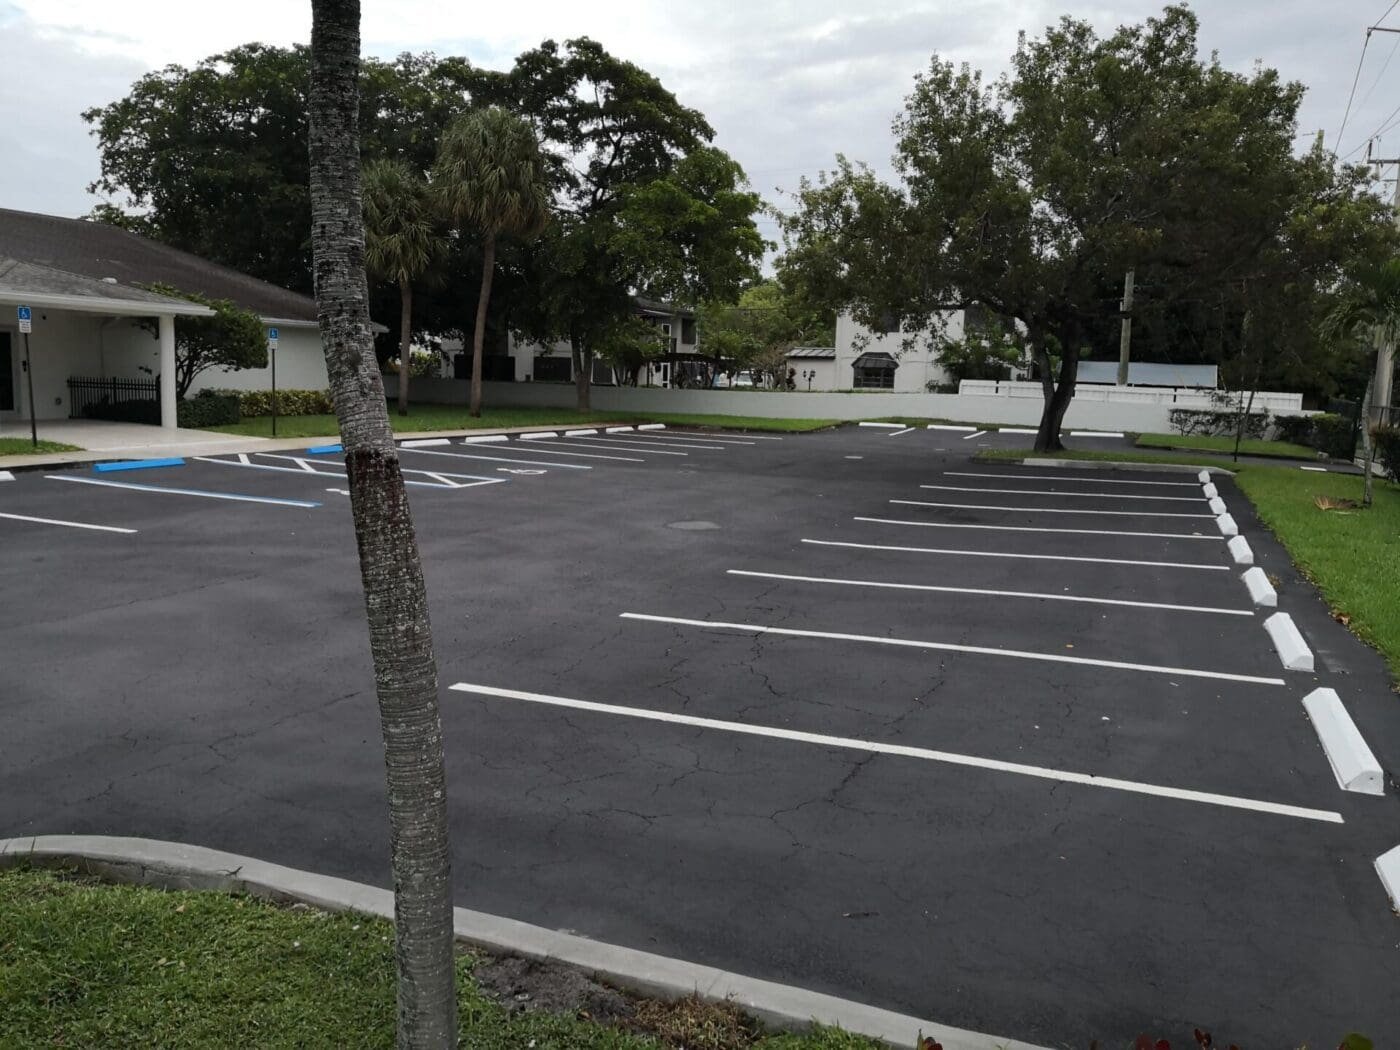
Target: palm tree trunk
(392, 574)
(405, 343)
(488, 267)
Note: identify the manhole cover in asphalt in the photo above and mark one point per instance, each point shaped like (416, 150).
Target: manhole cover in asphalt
(692, 526)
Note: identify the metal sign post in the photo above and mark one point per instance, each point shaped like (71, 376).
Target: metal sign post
(272, 355)
(26, 323)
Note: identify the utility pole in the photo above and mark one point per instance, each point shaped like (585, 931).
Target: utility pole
(1125, 335)
(1377, 412)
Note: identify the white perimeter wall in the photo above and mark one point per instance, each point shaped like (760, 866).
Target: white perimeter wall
(968, 408)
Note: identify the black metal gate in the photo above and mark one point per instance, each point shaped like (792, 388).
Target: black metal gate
(122, 400)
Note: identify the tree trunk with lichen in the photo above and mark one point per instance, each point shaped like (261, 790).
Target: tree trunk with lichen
(1058, 392)
(390, 569)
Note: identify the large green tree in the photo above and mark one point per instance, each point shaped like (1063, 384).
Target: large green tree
(402, 243)
(645, 205)
(212, 158)
(754, 332)
(490, 179)
(233, 339)
(391, 571)
(1032, 196)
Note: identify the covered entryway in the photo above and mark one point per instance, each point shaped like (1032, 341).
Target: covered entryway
(83, 328)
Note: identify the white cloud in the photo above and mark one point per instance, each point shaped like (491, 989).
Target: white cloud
(787, 84)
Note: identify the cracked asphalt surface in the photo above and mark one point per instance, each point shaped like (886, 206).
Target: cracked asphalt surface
(207, 680)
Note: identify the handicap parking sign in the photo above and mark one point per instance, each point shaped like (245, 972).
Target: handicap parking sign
(26, 319)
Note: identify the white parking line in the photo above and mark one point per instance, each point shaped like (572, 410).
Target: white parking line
(1008, 554)
(1051, 510)
(1095, 434)
(976, 434)
(953, 647)
(991, 593)
(575, 443)
(1063, 477)
(682, 435)
(1068, 495)
(231, 496)
(896, 433)
(68, 524)
(1030, 528)
(535, 448)
(315, 467)
(905, 751)
(501, 459)
(649, 441)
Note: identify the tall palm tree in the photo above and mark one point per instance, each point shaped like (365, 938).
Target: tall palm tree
(401, 243)
(1371, 301)
(396, 602)
(490, 178)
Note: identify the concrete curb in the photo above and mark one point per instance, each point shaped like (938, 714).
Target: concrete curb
(5, 475)
(172, 865)
(1353, 763)
(1388, 868)
(1288, 640)
(1261, 591)
(537, 434)
(1111, 464)
(871, 423)
(1239, 550)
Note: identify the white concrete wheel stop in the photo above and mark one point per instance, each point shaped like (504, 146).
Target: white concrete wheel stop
(1217, 506)
(1227, 525)
(1239, 550)
(1388, 867)
(1203, 477)
(1211, 491)
(1261, 591)
(1288, 640)
(1353, 763)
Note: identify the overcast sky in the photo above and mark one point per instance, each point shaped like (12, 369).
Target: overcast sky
(786, 83)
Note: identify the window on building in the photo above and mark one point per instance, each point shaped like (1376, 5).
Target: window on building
(873, 371)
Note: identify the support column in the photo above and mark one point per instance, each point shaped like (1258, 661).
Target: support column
(168, 415)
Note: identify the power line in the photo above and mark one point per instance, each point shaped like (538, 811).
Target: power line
(1347, 115)
(1384, 66)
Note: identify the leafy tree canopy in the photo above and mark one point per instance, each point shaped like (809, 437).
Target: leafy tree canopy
(232, 339)
(764, 323)
(1032, 196)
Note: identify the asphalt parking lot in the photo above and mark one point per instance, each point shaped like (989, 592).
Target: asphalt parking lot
(1005, 747)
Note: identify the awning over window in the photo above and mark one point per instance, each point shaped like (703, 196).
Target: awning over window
(877, 361)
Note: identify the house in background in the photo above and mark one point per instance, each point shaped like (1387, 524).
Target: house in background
(867, 359)
(812, 367)
(554, 363)
(85, 283)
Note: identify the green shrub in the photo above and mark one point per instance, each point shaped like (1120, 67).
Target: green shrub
(1334, 435)
(1216, 422)
(1295, 429)
(207, 409)
(289, 403)
(1387, 441)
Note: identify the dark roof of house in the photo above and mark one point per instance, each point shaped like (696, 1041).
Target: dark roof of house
(23, 282)
(812, 351)
(661, 309)
(876, 359)
(98, 251)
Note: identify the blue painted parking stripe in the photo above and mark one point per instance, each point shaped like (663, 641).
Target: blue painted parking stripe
(138, 464)
(321, 450)
(235, 496)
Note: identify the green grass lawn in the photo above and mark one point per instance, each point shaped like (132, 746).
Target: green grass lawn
(83, 963)
(1350, 555)
(1207, 443)
(24, 447)
(455, 417)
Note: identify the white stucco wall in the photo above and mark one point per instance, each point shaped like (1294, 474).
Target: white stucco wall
(301, 365)
(62, 344)
(825, 369)
(918, 364)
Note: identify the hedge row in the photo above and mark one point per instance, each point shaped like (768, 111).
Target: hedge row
(1387, 441)
(1217, 422)
(289, 402)
(208, 409)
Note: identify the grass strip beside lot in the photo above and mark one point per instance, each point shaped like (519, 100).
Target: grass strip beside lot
(1226, 445)
(1350, 555)
(429, 418)
(24, 447)
(85, 963)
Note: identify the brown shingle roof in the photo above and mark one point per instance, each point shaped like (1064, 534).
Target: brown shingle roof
(95, 250)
